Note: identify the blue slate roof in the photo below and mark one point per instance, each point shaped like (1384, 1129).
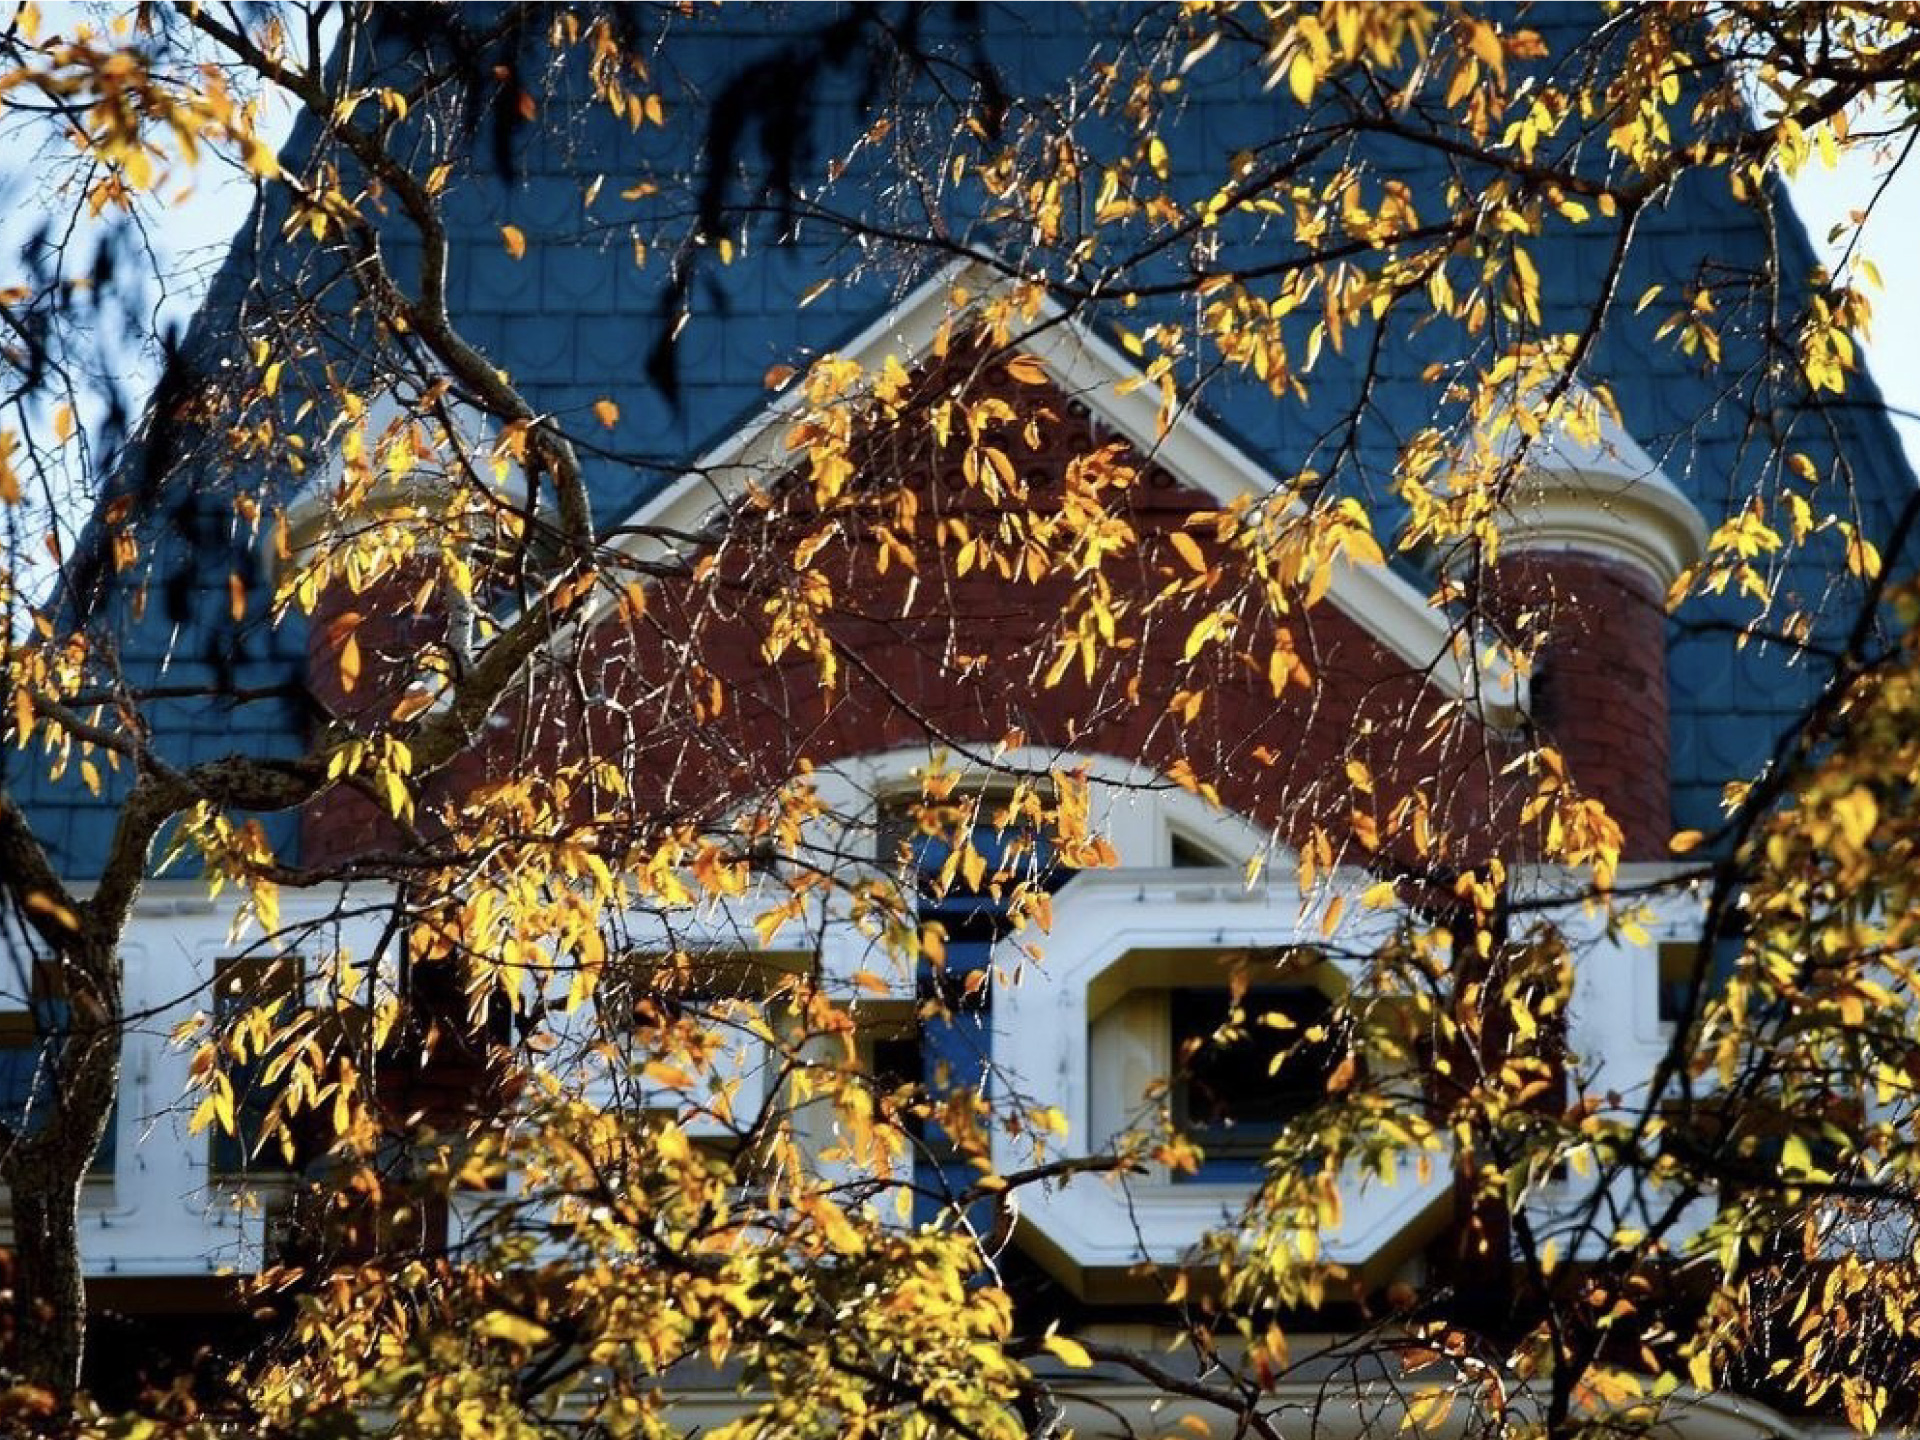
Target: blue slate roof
(577, 319)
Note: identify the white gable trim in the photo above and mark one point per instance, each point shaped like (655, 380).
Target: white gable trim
(1095, 372)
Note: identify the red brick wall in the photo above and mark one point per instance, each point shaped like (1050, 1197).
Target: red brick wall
(389, 627)
(956, 661)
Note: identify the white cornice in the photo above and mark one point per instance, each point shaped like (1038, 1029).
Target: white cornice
(1097, 373)
(1605, 497)
(316, 505)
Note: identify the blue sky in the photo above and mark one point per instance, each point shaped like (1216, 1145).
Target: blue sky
(1824, 198)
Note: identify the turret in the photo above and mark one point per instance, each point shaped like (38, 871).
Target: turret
(1590, 544)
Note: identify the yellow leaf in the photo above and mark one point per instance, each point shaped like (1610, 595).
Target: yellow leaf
(1486, 46)
(673, 1145)
(1857, 813)
(222, 1102)
(769, 923)
(1027, 369)
(41, 903)
(202, 1116)
(411, 704)
(1071, 1352)
(1318, 583)
(514, 1329)
(260, 159)
(1300, 77)
(1380, 895)
(670, 1077)
(840, 1232)
(1863, 557)
(1428, 1409)
(515, 242)
(1208, 626)
(1700, 1370)
(973, 866)
(1001, 466)
(350, 663)
(1189, 550)
(607, 413)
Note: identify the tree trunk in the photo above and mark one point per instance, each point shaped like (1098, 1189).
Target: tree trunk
(49, 1299)
(46, 1168)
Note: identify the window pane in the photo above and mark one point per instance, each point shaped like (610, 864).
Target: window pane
(1236, 1085)
(239, 986)
(28, 1087)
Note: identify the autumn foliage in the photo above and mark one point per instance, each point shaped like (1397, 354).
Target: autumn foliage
(605, 1120)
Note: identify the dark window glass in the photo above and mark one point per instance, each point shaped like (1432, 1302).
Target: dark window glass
(1237, 1084)
(239, 985)
(1189, 856)
(1676, 979)
(29, 1089)
(897, 1060)
(949, 1054)
(1013, 854)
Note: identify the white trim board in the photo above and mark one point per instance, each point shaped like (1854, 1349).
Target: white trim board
(1091, 370)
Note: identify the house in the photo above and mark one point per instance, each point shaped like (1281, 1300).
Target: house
(1210, 824)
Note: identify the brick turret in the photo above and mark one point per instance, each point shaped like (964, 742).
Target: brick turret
(1591, 545)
